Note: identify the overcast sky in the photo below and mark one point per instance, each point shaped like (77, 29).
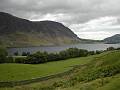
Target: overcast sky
(89, 19)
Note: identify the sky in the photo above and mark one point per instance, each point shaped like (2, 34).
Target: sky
(88, 19)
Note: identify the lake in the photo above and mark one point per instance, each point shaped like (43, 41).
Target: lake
(90, 47)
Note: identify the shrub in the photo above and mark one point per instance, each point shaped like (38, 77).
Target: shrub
(42, 57)
(98, 52)
(110, 48)
(16, 53)
(3, 55)
(25, 53)
(118, 48)
(91, 53)
(36, 58)
(20, 60)
(9, 59)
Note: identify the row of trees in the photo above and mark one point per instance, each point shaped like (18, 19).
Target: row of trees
(92, 52)
(3, 55)
(23, 53)
(42, 57)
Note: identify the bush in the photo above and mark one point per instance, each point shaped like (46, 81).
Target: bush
(91, 74)
(110, 48)
(36, 58)
(9, 59)
(3, 55)
(91, 53)
(25, 53)
(20, 60)
(98, 52)
(118, 48)
(16, 53)
(42, 57)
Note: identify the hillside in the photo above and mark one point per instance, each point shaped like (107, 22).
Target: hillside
(113, 39)
(102, 73)
(15, 31)
(99, 72)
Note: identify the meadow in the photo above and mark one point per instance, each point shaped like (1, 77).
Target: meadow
(14, 72)
(101, 72)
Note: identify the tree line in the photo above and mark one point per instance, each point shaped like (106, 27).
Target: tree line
(43, 57)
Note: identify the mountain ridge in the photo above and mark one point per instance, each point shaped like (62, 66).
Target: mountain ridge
(18, 32)
(113, 39)
(15, 31)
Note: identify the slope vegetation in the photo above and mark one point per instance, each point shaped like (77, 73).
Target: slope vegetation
(100, 72)
(16, 31)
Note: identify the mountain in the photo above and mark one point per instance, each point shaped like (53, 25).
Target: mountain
(113, 39)
(16, 31)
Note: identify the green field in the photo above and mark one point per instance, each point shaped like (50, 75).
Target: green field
(110, 83)
(11, 72)
(106, 65)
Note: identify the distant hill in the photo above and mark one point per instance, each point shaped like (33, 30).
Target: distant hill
(113, 40)
(15, 31)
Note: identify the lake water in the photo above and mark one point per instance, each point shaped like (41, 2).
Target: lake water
(90, 47)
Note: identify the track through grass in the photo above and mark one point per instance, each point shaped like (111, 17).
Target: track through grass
(22, 71)
(16, 72)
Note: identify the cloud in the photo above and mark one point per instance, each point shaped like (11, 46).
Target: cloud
(83, 8)
(85, 16)
(99, 28)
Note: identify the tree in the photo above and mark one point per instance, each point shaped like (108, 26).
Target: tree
(83, 53)
(98, 52)
(16, 53)
(28, 53)
(91, 52)
(110, 48)
(24, 54)
(9, 59)
(118, 48)
(39, 57)
(20, 60)
(63, 55)
(3, 55)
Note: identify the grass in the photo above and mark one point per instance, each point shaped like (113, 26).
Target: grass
(14, 72)
(114, 84)
(110, 83)
(103, 73)
(97, 63)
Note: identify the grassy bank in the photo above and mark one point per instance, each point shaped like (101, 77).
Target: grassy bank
(95, 75)
(11, 72)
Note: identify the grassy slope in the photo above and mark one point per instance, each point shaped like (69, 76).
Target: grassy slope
(99, 83)
(107, 83)
(110, 83)
(22, 39)
(10, 72)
